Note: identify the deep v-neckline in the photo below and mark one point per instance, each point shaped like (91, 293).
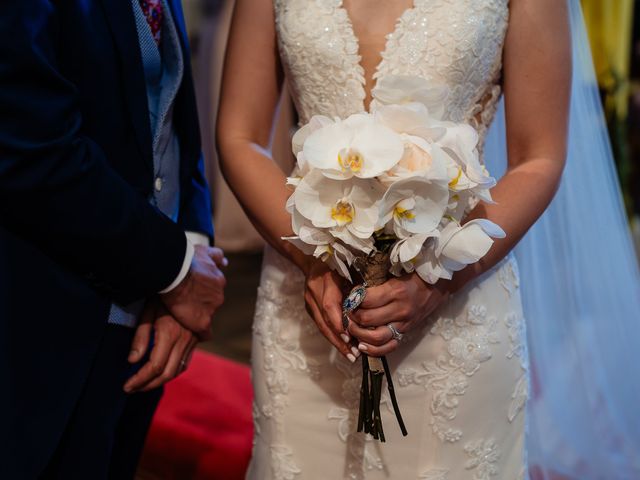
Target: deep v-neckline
(376, 70)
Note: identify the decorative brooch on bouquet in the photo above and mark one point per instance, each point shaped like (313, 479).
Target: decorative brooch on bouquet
(384, 193)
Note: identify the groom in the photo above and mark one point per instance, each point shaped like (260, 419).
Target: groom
(103, 204)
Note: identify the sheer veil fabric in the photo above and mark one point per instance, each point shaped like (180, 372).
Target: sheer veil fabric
(581, 293)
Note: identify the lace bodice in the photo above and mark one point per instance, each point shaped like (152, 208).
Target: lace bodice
(457, 43)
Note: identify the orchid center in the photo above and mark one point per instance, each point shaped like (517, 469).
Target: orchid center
(343, 212)
(455, 181)
(404, 209)
(350, 159)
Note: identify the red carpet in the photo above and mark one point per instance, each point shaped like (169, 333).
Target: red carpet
(203, 427)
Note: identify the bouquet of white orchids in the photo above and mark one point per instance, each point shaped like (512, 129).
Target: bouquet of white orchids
(388, 189)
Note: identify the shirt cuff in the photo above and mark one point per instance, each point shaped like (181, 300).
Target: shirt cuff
(193, 238)
(186, 264)
(197, 238)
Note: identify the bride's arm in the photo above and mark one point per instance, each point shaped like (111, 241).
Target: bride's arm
(537, 84)
(251, 87)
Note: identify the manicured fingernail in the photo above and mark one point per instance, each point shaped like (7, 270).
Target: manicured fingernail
(344, 337)
(355, 351)
(362, 347)
(351, 358)
(225, 261)
(133, 354)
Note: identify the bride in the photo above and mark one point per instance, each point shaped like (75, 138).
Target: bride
(462, 367)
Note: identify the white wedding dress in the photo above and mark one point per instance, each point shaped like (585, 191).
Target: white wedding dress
(462, 380)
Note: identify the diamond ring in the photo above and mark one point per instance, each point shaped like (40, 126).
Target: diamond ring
(396, 335)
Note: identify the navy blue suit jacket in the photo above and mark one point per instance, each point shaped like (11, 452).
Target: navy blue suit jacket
(76, 229)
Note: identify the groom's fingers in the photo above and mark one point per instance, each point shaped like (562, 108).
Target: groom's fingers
(155, 366)
(189, 353)
(217, 255)
(142, 336)
(174, 364)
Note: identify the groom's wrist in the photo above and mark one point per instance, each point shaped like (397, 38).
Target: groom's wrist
(193, 238)
(184, 270)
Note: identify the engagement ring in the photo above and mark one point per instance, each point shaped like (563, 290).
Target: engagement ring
(396, 335)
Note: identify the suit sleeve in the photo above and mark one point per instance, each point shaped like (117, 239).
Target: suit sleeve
(195, 210)
(56, 187)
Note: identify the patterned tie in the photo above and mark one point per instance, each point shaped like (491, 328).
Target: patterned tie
(152, 10)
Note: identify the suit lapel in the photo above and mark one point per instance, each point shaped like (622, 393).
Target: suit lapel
(178, 18)
(121, 20)
(185, 112)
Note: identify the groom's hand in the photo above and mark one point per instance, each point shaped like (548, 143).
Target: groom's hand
(194, 301)
(172, 348)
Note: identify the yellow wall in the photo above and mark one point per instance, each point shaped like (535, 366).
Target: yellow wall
(610, 23)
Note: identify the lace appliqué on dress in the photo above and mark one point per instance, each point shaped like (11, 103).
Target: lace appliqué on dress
(462, 56)
(282, 463)
(280, 355)
(468, 340)
(435, 474)
(517, 349)
(319, 52)
(508, 276)
(484, 456)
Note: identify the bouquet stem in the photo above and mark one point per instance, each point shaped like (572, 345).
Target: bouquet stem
(374, 272)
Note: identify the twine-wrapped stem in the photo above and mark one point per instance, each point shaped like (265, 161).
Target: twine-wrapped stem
(374, 270)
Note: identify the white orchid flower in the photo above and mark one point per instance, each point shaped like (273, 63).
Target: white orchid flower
(427, 266)
(348, 209)
(401, 89)
(316, 123)
(411, 119)
(455, 248)
(301, 169)
(414, 206)
(459, 246)
(466, 172)
(420, 159)
(405, 251)
(322, 245)
(358, 146)
(417, 255)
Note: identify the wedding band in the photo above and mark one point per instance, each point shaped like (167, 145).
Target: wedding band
(396, 335)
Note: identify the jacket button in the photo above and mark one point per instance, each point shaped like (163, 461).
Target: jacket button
(157, 184)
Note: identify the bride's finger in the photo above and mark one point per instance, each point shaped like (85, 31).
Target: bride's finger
(332, 307)
(378, 351)
(314, 311)
(375, 317)
(380, 295)
(377, 336)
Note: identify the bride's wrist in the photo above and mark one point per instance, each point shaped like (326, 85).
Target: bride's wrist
(305, 263)
(461, 278)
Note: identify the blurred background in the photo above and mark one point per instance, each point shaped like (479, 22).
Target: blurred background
(216, 442)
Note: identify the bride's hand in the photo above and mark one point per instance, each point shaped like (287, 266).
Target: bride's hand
(323, 297)
(403, 302)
